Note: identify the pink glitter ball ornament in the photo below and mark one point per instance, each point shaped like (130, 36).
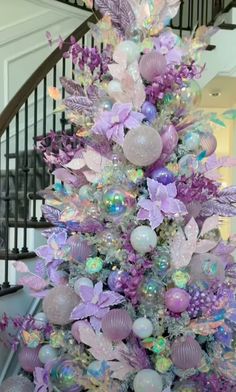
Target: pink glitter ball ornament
(28, 358)
(117, 324)
(186, 353)
(80, 248)
(17, 384)
(177, 300)
(151, 65)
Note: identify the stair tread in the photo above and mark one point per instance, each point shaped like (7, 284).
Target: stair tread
(16, 256)
(9, 290)
(30, 224)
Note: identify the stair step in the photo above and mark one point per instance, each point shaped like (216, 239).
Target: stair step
(16, 256)
(227, 26)
(9, 290)
(30, 223)
(210, 47)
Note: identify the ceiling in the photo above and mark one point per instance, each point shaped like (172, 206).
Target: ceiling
(226, 87)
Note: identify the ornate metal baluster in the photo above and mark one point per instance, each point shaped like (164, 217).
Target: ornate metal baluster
(26, 172)
(16, 249)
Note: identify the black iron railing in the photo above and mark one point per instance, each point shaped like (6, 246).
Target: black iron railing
(29, 115)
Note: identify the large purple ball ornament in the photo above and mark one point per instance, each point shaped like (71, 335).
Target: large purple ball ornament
(59, 303)
(151, 65)
(117, 324)
(177, 300)
(186, 353)
(150, 111)
(28, 358)
(17, 384)
(162, 175)
(80, 248)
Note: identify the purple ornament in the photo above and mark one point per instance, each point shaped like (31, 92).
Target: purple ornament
(80, 249)
(117, 324)
(169, 138)
(151, 65)
(149, 110)
(162, 175)
(177, 300)
(186, 353)
(115, 280)
(28, 358)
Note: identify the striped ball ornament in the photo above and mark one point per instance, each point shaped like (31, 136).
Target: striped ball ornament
(186, 353)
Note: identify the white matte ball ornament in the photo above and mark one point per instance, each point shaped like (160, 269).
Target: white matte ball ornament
(142, 327)
(143, 239)
(147, 380)
(142, 146)
(82, 282)
(47, 353)
(40, 320)
(129, 48)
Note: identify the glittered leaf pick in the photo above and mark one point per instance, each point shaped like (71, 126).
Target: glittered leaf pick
(216, 120)
(230, 114)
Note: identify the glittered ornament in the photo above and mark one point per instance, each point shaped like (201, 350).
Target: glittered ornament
(177, 300)
(80, 249)
(117, 324)
(186, 353)
(162, 175)
(40, 320)
(94, 265)
(187, 386)
(147, 380)
(149, 110)
(97, 369)
(57, 339)
(17, 384)
(207, 267)
(142, 146)
(156, 345)
(59, 303)
(115, 201)
(180, 278)
(151, 65)
(191, 141)
(82, 282)
(208, 143)
(115, 280)
(28, 358)
(163, 364)
(142, 327)
(150, 291)
(143, 239)
(64, 375)
(47, 353)
(129, 49)
(188, 165)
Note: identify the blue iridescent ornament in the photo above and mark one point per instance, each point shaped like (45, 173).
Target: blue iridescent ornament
(64, 375)
(149, 110)
(116, 201)
(224, 335)
(97, 369)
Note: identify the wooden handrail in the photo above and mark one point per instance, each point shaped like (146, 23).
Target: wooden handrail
(29, 86)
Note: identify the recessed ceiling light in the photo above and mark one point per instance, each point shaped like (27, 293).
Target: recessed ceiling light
(215, 94)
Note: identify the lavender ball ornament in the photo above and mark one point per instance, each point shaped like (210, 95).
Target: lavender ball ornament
(17, 384)
(142, 146)
(149, 110)
(117, 325)
(80, 248)
(28, 358)
(177, 300)
(115, 279)
(151, 65)
(82, 282)
(59, 303)
(162, 175)
(186, 353)
(208, 143)
(147, 380)
(47, 353)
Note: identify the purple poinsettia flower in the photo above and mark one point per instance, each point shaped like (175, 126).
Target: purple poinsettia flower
(42, 380)
(112, 123)
(95, 304)
(56, 247)
(166, 44)
(162, 203)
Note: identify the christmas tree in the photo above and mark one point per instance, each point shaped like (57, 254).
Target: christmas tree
(137, 285)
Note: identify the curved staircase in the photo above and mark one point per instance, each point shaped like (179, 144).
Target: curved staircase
(29, 115)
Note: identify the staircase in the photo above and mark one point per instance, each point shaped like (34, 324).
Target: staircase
(29, 115)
